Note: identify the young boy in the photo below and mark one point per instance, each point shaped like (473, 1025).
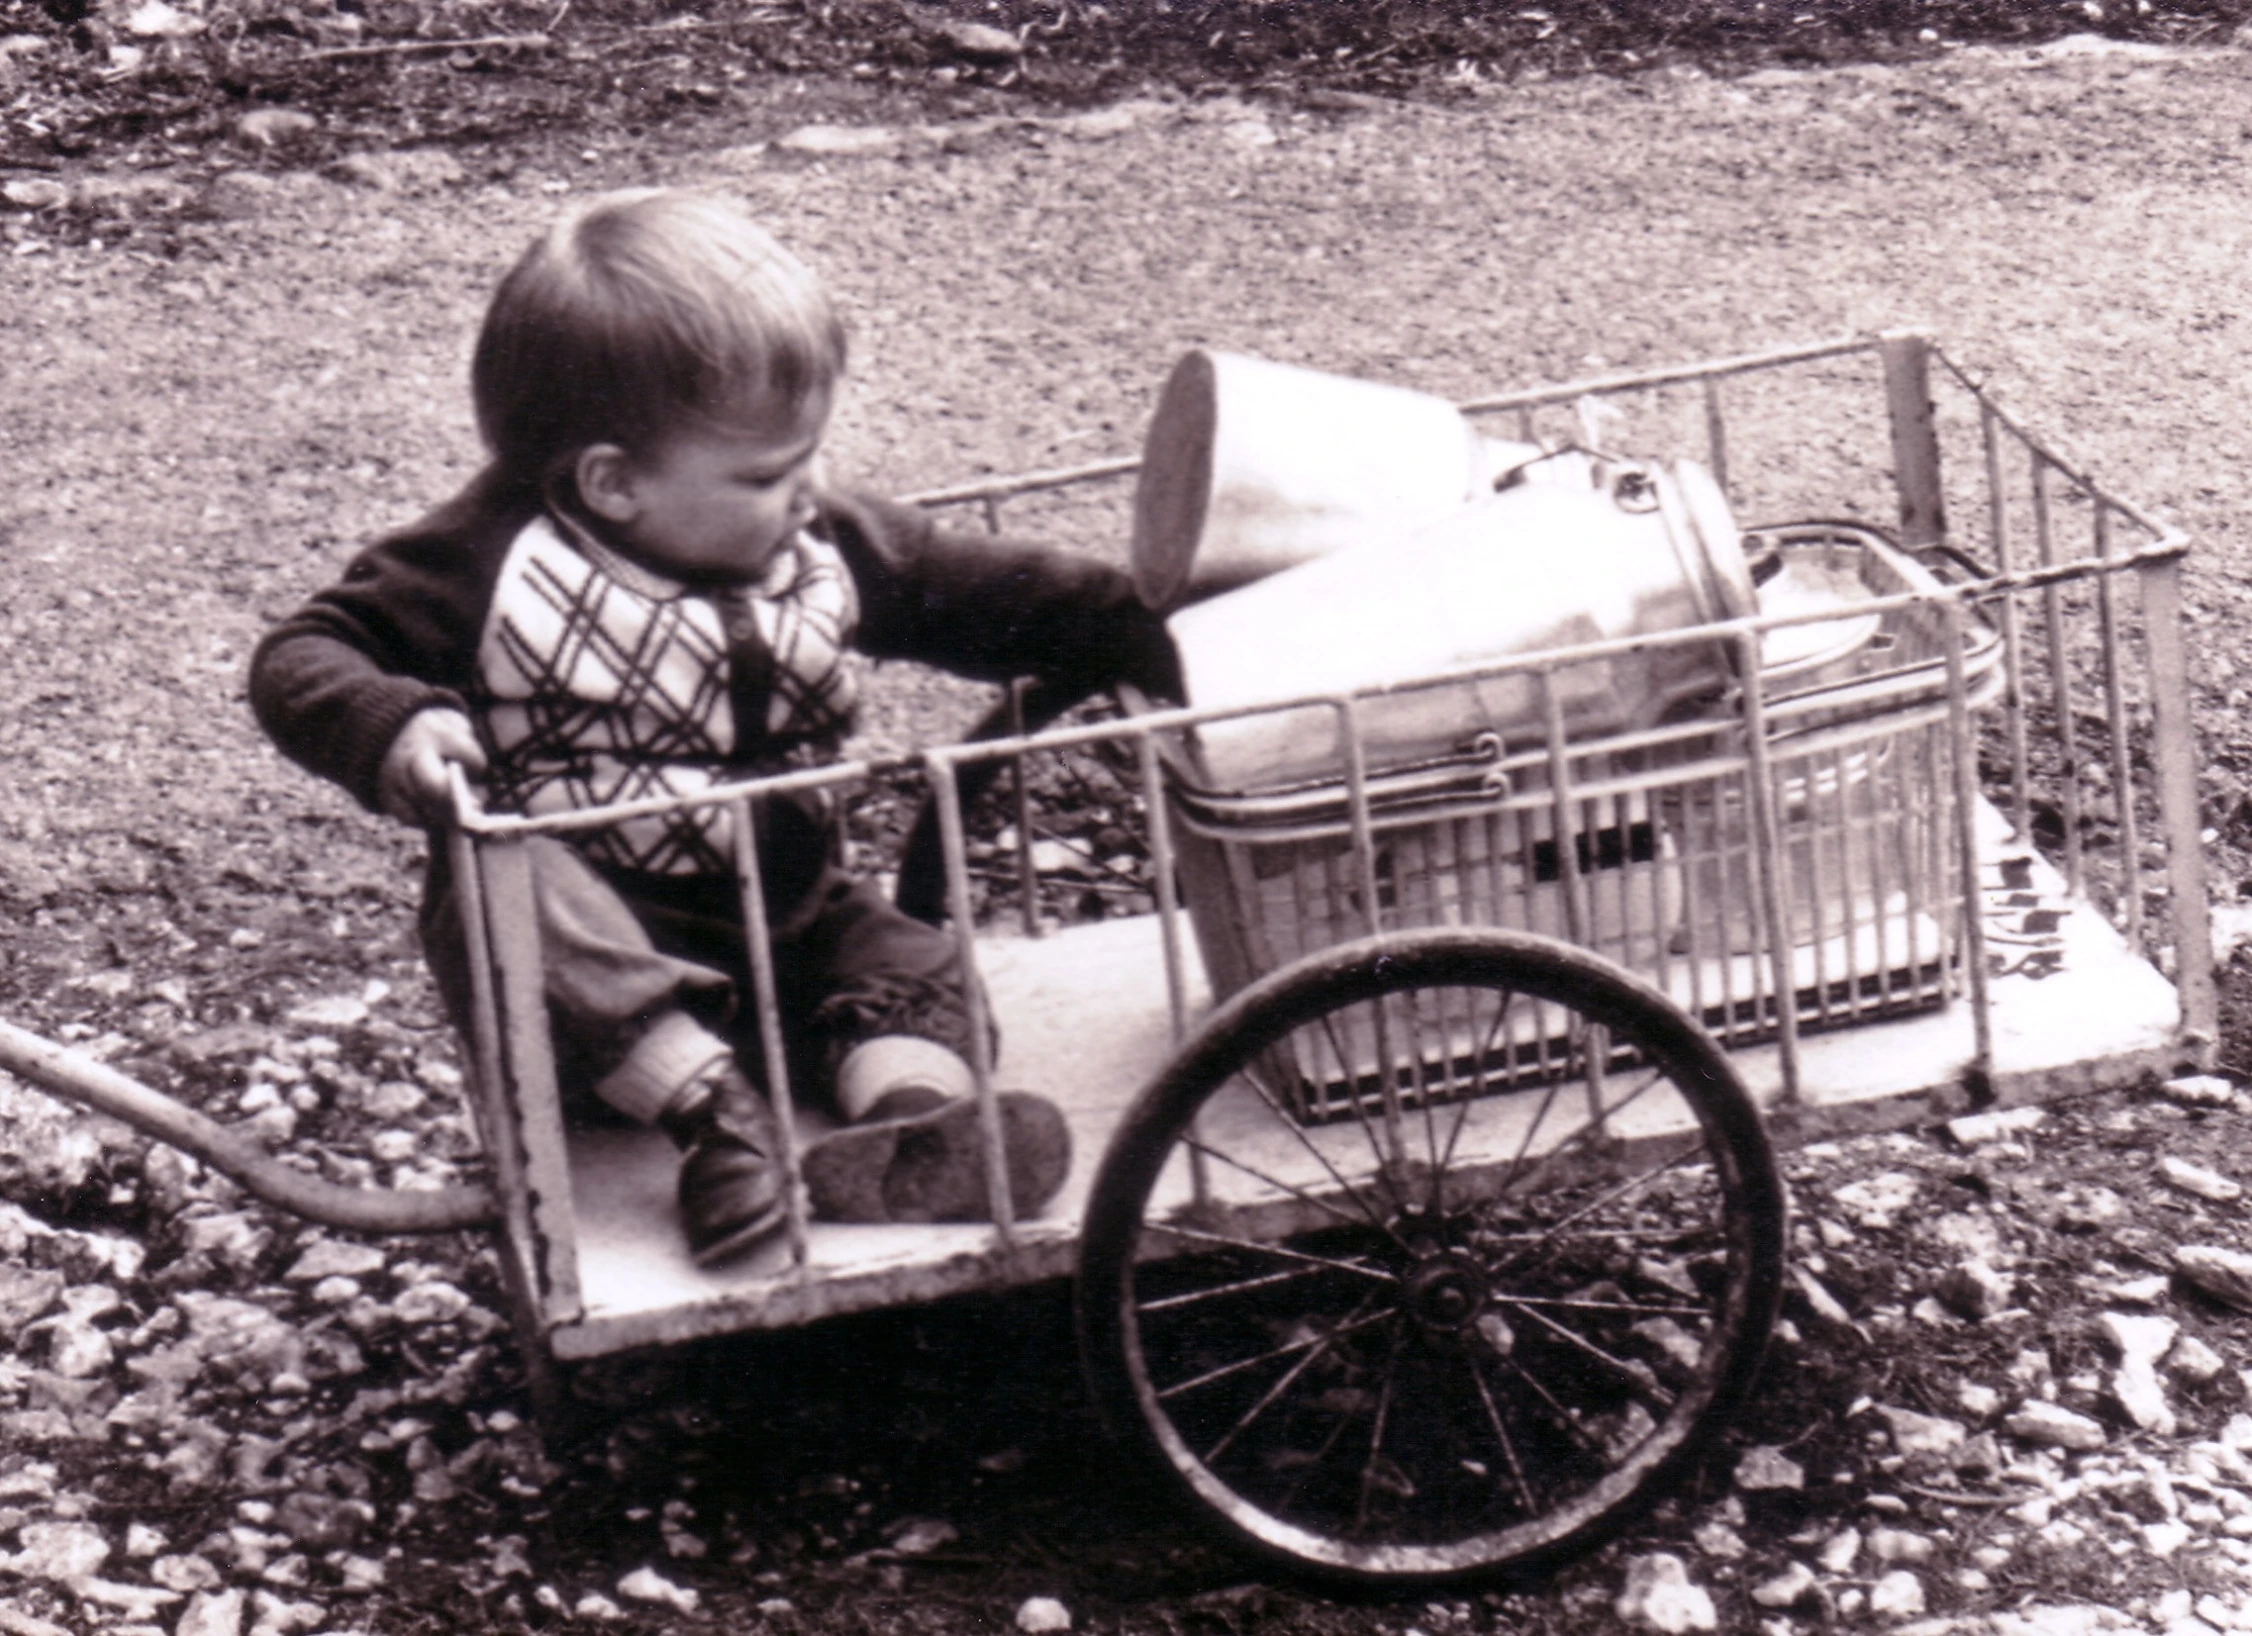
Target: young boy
(650, 590)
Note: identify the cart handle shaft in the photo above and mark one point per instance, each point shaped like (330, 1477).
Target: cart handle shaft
(76, 1077)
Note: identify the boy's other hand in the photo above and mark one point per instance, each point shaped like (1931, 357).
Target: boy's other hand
(413, 786)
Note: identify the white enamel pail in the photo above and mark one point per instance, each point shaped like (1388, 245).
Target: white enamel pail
(1535, 566)
(1250, 467)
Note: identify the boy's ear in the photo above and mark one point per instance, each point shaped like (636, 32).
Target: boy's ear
(605, 478)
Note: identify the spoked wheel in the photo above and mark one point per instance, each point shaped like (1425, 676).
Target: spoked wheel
(1433, 1255)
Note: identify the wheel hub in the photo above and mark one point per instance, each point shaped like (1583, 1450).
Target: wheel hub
(1446, 1292)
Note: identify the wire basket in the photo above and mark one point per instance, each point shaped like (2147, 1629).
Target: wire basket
(1659, 868)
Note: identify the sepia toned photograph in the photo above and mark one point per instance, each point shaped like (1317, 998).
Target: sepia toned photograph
(1150, 817)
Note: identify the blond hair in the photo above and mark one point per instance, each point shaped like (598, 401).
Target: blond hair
(641, 314)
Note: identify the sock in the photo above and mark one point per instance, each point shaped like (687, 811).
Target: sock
(660, 1074)
(875, 1068)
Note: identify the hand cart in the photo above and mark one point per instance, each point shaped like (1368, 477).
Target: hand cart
(1425, 1218)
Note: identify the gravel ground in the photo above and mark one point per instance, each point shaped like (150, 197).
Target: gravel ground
(196, 436)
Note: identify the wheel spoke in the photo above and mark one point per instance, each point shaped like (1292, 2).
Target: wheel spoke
(1198, 1235)
(1275, 1182)
(1290, 1377)
(1507, 1444)
(1369, 1467)
(1242, 1286)
(1482, 1050)
(1282, 1117)
(1565, 1303)
(1228, 1371)
(1384, 1164)
(1638, 1375)
(1548, 1235)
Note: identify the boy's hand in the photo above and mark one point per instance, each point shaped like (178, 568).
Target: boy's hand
(413, 785)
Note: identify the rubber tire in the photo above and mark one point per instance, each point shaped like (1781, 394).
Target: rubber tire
(1754, 1224)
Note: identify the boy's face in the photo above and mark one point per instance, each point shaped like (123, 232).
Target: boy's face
(715, 505)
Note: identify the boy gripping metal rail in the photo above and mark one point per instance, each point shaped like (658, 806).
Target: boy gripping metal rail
(649, 590)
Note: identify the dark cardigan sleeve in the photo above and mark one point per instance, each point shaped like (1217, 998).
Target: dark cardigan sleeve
(992, 608)
(334, 682)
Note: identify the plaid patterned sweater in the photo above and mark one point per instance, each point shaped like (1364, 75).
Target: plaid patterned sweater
(407, 626)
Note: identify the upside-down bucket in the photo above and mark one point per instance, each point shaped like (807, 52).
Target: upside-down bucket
(1535, 566)
(1250, 467)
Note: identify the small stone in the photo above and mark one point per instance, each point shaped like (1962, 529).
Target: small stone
(60, 1551)
(2053, 1425)
(1658, 1595)
(77, 1350)
(919, 1536)
(2195, 1363)
(2223, 1274)
(1980, 1457)
(1900, 1545)
(1978, 1129)
(1974, 1290)
(1765, 1467)
(2088, 1209)
(1719, 1540)
(647, 1585)
(139, 1603)
(1042, 1613)
(2197, 1181)
(411, 170)
(2138, 1338)
(25, 1294)
(15, 1622)
(357, 1575)
(212, 1613)
(839, 141)
(980, 42)
(267, 126)
(1875, 1202)
(1827, 1307)
(1923, 1438)
(1786, 1588)
(334, 1258)
(1898, 1595)
(2163, 1539)
(1839, 1550)
(2141, 1292)
(185, 1573)
(1977, 1401)
(433, 1302)
(594, 1605)
(2199, 1091)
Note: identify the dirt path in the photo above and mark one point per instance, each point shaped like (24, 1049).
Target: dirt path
(193, 443)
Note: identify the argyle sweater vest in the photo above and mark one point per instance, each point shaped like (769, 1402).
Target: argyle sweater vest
(598, 681)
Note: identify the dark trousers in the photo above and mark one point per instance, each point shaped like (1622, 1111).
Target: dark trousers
(617, 953)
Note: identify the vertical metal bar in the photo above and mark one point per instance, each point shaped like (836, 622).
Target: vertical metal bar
(991, 506)
(1716, 433)
(1578, 918)
(2060, 680)
(2013, 681)
(1169, 931)
(1769, 864)
(1563, 815)
(1364, 849)
(1001, 1206)
(521, 1250)
(758, 943)
(2174, 749)
(1028, 877)
(2115, 713)
(1973, 921)
(1915, 437)
(1167, 889)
